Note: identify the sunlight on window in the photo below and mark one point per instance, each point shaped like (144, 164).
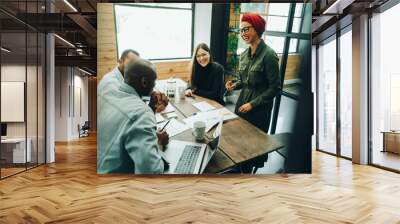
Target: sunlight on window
(279, 9)
(276, 16)
(277, 23)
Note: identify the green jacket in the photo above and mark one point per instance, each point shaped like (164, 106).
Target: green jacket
(258, 77)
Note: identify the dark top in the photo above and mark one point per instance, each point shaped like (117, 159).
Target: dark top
(209, 82)
(260, 83)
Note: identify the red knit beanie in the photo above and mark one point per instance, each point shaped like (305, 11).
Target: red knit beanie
(256, 21)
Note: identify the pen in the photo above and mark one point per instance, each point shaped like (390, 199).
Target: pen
(165, 125)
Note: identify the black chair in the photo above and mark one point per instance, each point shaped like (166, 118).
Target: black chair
(84, 130)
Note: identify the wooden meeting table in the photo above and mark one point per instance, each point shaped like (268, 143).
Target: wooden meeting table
(240, 141)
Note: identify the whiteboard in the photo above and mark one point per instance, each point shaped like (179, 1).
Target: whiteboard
(12, 101)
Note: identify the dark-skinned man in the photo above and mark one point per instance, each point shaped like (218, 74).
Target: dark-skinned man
(128, 141)
(115, 78)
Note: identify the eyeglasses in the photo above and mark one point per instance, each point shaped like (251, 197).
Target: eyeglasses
(245, 29)
(201, 55)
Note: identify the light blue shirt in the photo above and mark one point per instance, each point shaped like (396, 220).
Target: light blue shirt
(127, 139)
(111, 80)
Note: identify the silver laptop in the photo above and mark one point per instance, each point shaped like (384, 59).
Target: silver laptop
(190, 157)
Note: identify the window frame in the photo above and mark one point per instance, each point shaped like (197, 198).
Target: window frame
(143, 5)
(333, 37)
(293, 35)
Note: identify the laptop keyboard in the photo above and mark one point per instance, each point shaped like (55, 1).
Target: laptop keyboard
(188, 159)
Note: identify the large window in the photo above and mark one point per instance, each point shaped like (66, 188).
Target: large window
(167, 37)
(346, 94)
(334, 94)
(385, 88)
(276, 16)
(327, 96)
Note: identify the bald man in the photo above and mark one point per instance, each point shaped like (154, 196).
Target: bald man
(127, 136)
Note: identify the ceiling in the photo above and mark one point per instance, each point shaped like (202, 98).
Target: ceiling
(331, 15)
(73, 20)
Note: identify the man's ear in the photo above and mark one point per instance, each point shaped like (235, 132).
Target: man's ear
(144, 82)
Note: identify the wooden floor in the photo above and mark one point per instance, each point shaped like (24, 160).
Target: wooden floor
(70, 191)
(386, 159)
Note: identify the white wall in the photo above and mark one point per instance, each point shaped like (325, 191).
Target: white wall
(62, 81)
(70, 83)
(202, 23)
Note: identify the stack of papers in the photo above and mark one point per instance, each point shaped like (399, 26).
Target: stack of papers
(168, 109)
(174, 127)
(159, 118)
(210, 121)
(227, 114)
(171, 115)
(203, 106)
(211, 118)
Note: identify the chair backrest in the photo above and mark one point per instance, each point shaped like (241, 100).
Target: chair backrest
(86, 125)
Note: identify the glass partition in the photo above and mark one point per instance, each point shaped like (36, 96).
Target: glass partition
(14, 153)
(23, 91)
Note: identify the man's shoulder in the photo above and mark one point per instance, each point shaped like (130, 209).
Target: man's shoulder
(134, 107)
(110, 80)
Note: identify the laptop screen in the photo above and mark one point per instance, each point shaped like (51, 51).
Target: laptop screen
(213, 144)
(216, 136)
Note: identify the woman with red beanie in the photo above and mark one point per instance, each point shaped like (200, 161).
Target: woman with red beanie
(258, 74)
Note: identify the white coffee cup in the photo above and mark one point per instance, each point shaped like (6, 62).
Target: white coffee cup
(199, 130)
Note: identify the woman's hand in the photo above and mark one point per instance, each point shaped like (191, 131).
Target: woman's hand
(189, 93)
(230, 85)
(245, 108)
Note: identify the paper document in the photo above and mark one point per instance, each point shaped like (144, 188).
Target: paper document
(159, 118)
(210, 121)
(210, 117)
(227, 114)
(171, 115)
(174, 127)
(203, 106)
(168, 109)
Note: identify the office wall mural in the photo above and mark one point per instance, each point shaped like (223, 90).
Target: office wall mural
(185, 124)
